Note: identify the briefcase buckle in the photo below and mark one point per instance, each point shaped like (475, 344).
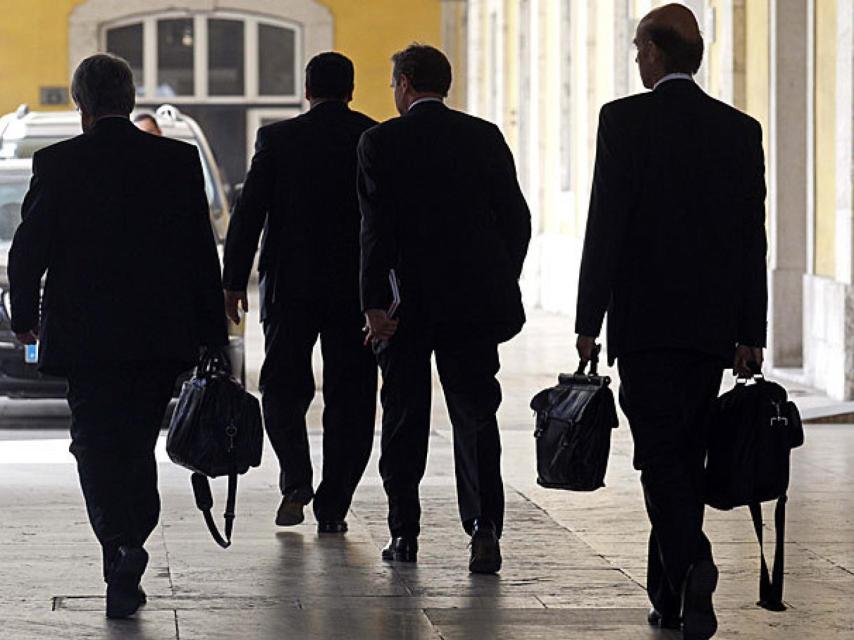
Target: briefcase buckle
(779, 419)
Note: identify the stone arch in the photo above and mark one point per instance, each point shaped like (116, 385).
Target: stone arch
(86, 19)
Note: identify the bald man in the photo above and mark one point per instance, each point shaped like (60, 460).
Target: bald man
(675, 254)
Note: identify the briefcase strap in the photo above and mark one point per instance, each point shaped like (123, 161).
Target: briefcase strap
(771, 585)
(204, 501)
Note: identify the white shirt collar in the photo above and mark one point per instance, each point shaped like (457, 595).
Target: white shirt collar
(428, 99)
(673, 76)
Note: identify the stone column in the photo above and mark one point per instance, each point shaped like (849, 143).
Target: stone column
(787, 179)
(844, 175)
(455, 45)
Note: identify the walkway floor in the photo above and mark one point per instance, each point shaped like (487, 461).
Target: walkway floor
(574, 563)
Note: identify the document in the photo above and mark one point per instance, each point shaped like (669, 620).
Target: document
(395, 293)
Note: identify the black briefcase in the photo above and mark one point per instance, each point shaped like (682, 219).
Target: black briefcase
(215, 431)
(573, 430)
(751, 433)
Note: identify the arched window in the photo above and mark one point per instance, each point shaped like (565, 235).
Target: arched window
(218, 57)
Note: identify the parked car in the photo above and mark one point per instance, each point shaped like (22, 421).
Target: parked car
(22, 134)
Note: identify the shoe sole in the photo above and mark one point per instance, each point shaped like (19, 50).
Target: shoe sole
(123, 597)
(698, 616)
(399, 557)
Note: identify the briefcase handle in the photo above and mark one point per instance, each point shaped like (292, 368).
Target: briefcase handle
(594, 363)
(755, 371)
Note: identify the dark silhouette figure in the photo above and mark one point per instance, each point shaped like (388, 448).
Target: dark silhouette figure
(301, 191)
(441, 205)
(675, 251)
(132, 291)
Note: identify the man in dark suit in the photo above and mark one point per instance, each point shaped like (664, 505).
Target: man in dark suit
(301, 191)
(442, 207)
(675, 252)
(132, 291)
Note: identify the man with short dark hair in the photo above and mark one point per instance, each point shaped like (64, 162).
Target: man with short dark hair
(442, 207)
(301, 190)
(675, 253)
(132, 291)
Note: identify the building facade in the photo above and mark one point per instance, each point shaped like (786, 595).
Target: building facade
(543, 68)
(233, 65)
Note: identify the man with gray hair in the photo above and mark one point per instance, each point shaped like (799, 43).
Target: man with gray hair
(132, 292)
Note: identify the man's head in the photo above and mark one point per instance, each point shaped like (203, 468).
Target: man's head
(668, 40)
(329, 76)
(103, 86)
(148, 123)
(420, 71)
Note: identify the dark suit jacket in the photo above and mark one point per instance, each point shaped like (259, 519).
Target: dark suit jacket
(301, 190)
(675, 244)
(441, 204)
(119, 220)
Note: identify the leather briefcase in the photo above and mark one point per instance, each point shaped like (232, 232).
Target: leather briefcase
(752, 431)
(215, 431)
(573, 430)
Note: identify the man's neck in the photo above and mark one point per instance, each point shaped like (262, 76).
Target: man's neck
(672, 76)
(425, 97)
(314, 102)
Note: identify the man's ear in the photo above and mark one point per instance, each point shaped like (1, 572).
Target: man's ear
(655, 52)
(404, 83)
(307, 93)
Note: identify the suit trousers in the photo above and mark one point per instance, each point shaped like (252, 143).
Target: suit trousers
(467, 361)
(666, 395)
(117, 410)
(349, 400)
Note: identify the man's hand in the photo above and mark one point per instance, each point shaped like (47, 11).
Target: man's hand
(586, 347)
(379, 326)
(744, 357)
(232, 298)
(30, 337)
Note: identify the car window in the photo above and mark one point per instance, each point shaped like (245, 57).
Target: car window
(24, 148)
(13, 188)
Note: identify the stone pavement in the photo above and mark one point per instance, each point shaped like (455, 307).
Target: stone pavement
(574, 563)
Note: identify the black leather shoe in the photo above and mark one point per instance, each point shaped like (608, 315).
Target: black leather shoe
(290, 512)
(663, 620)
(401, 549)
(332, 526)
(123, 591)
(143, 599)
(698, 615)
(485, 550)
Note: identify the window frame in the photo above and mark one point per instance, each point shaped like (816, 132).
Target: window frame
(251, 53)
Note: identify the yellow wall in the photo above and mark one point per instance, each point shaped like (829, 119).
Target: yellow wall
(34, 45)
(369, 31)
(757, 63)
(33, 49)
(752, 91)
(825, 137)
